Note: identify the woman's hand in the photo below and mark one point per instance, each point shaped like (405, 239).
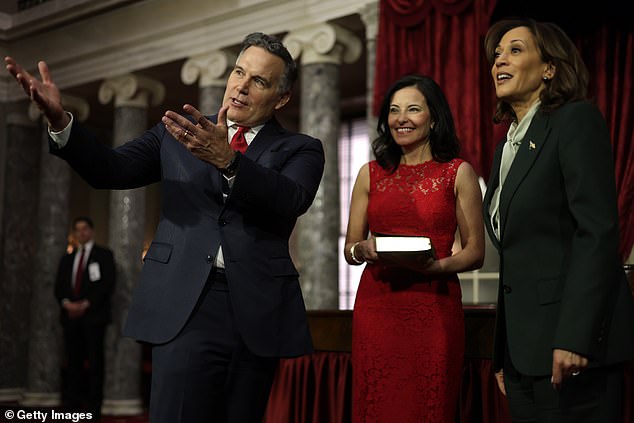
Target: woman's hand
(366, 251)
(499, 378)
(566, 364)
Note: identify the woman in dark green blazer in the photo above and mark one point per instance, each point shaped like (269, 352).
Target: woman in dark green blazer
(565, 320)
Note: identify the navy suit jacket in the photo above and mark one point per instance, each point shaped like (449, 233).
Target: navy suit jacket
(562, 284)
(276, 182)
(98, 290)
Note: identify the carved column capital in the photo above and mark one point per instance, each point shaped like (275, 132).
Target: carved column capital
(132, 90)
(209, 69)
(323, 43)
(370, 17)
(76, 105)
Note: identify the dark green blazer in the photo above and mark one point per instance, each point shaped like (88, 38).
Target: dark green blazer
(562, 284)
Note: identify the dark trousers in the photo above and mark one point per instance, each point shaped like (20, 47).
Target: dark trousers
(593, 396)
(84, 345)
(206, 374)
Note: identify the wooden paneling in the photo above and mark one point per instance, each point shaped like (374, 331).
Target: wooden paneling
(332, 330)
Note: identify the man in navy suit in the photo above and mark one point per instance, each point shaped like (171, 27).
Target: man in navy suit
(83, 287)
(219, 297)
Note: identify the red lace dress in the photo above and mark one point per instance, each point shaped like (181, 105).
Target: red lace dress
(408, 328)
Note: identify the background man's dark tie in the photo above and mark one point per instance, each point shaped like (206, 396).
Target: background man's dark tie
(79, 274)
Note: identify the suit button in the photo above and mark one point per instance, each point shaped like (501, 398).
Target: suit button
(507, 289)
(210, 259)
(222, 222)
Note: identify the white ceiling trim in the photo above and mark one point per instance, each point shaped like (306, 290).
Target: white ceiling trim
(152, 32)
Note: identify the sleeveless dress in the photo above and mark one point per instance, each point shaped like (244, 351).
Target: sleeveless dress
(408, 328)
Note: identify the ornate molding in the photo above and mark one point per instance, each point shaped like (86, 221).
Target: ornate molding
(209, 69)
(122, 407)
(41, 399)
(131, 90)
(9, 395)
(148, 34)
(370, 17)
(324, 43)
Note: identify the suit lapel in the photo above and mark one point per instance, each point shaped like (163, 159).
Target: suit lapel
(529, 150)
(262, 140)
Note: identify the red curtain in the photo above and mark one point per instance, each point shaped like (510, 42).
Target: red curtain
(608, 52)
(312, 389)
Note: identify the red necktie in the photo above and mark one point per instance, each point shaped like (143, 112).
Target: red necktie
(239, 142)
(79, 274)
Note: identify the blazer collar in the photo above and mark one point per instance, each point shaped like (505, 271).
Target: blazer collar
(527, 154)
(493, 182)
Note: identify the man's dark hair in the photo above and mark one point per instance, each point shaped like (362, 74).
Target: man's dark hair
(274, 46)
(85, 219)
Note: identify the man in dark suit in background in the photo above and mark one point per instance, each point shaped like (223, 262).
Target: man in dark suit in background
(219, 297)
(85, 282)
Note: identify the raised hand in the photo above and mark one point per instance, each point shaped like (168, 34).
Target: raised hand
(44, 93)
(206, 140)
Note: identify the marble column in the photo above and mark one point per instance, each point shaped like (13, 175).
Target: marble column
(370, 17)
(19, 247)
(132, 96)
(45, 344)
(211, 71)
(322, 48)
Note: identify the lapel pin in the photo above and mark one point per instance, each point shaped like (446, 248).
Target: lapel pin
(531, 145)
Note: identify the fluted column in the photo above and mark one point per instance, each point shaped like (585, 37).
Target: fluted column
(18, 251)
(322, 49)
(43, 375)
(211, 71)
(370, 17)
(132, 96)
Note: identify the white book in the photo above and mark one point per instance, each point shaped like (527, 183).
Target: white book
(402, 249)
(394, 244)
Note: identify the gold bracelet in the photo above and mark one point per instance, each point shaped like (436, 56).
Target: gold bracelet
(352, 256)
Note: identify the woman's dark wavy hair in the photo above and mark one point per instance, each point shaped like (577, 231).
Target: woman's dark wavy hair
(570, 82)
(442, 138)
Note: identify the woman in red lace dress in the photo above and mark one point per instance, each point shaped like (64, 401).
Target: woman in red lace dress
(408, 326)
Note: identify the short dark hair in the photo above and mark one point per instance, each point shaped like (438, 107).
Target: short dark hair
(570, 81)
(274, 45)
(84, 219)
(442, 139)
